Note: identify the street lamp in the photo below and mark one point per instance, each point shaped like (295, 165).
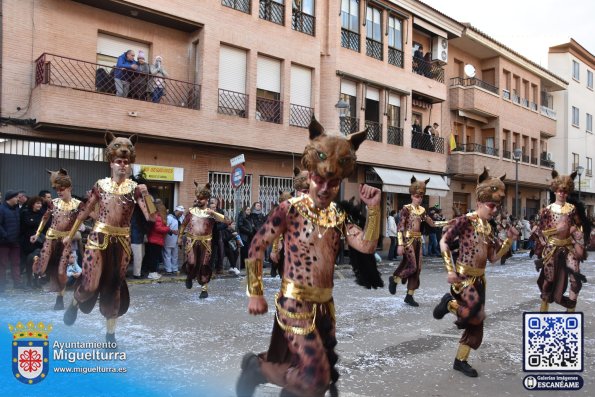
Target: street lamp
(579, 171)
(516, 155)
(343, 108)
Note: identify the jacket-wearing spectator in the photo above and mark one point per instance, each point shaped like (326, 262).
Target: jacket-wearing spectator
(30, 220)
(10, 250)
(246, 230)
(138, 229)
(123, 74)
(156, 241)
(170, 248)
(257, 217)
(157, 83)
(140, 82)
(217, 244)
(391, 232)
(231, 247)
(73, 270)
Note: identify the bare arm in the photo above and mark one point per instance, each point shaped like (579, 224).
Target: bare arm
(183, 227)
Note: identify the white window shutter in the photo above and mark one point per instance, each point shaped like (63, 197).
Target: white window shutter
(232, 69)
(394, 100)
(372, 93)
(301, 86)
(349, 88)
(268, 74)
(114, 46)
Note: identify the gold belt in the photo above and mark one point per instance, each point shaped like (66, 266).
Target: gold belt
(101, 227)
(296, 316)
(558, 242)
(550, 232)
(53, 234)
(472, 273)
(412, 234)
(299, 292)
(205, 240)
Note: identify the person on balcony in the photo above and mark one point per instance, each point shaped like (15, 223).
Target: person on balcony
(157, 83)
(139, 85)
(123, 73)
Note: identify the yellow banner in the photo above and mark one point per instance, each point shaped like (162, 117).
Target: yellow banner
(157, 173)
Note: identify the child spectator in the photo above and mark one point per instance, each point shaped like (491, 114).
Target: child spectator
(73, 270)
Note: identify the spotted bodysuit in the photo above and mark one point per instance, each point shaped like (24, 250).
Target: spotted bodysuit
(198, 226)
(411, 218)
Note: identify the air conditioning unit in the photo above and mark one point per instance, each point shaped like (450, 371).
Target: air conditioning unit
(440, 49)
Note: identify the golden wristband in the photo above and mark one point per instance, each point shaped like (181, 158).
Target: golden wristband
(504, 248)
(40, 228)
(372, 231)
(218, 217)
(447, 256)
(150, 204)
(400, 238)
(254, 285)
(75, 228)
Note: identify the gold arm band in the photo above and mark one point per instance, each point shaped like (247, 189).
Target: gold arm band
(400, 238)
(254, 285)
(75, 228)
(447, 256)
(440, 223)
(181, 233)
(150, 203)
(218, 217)
(504, 248)
(277, 243)
(40, 228)
(372, 231)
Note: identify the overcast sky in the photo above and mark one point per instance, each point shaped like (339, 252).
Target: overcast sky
(529, 27)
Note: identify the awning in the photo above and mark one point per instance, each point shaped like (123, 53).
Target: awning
(398, 181)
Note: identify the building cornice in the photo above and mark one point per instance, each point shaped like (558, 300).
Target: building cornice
(574, 48)
(431, 15)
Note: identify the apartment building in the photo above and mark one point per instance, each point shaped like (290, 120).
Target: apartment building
(244, 77)
(575, 144)
(498, 104)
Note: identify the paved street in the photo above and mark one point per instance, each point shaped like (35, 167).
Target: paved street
(178, 345)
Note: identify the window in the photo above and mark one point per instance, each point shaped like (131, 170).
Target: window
(589, 79)
(240, 5)
(268, 94)
(373, 33)
(350, 24)
(575, 117)
(349, 122)
(395, 37)
(269, 189)
(589, 122)
(303, 16)
(232, 82)
(575, 70)
(109, 48)
(300, 111)
(589, 166)
(272, 10)
(575, 161)
(221, 189)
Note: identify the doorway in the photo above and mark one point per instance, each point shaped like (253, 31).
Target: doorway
(164, 191)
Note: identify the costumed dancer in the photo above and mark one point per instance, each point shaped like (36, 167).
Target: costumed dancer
(198, 227)
(477, 243)
(300, 186)
(53, 258)
(561, 238)
(108, 252)
(301, 355)
(409, 241)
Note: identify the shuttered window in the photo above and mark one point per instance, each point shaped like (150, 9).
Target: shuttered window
(301, 85)
(349, 88)
(394, 100)
(268, 75)
(109, 48)
(232, 69)
(372, 93)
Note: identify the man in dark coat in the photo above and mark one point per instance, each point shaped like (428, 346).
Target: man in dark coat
(10, 250)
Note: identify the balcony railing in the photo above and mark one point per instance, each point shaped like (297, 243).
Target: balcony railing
(477, 148)
(430, 70)
(455, 81)
(240, 5)
(374, 130)
(394, 135)
(507, 154)
(547, 163)
(87, 76)
(349, 125)
(525, 102)
(270, 110)
(349, 40)
(272, 11)
(589, 172)
(395, 57)
(506, 94)
(533, 106)
(551, 113)
(427, 142)
(300, 116)
(525, 158)
(534, 160)
(233, 103)
(516, 98)
(374, 49)
(303, 22)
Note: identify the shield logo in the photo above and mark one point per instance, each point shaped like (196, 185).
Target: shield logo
(30, 352)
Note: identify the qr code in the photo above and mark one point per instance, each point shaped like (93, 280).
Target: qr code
(553, 342)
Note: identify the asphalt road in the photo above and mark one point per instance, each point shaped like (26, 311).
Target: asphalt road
(177, 345)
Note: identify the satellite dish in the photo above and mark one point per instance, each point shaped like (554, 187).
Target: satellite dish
(469, 70)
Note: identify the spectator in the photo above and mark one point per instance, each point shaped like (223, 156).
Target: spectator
(9, 239)
(217, 244)
(391, 232)
(30, 220)
(138, 230)
(170, 249)
(231, 247)
(157, 84)
(123, 73)
(246, 230)
(22, 200)
(139, 83)
(257, 217)
(73, 270)
(47, 197)
(156, 241)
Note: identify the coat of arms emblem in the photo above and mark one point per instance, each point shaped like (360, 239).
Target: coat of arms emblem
(30, 351)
